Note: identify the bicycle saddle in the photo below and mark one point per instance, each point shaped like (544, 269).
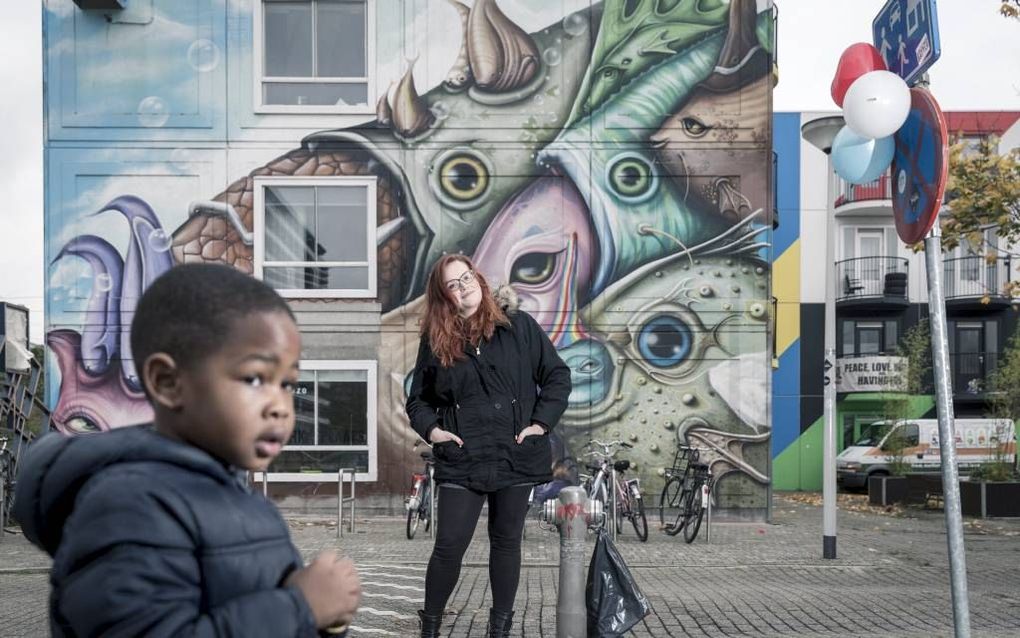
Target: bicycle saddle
(427, 456)
(621, 465)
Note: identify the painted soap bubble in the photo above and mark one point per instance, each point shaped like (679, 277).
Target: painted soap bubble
(153, 112)
(203, 55)
(159, 240)
(104, 282)
(575, 24)
(552, 56)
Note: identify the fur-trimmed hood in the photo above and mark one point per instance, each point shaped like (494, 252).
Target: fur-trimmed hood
(507, 299)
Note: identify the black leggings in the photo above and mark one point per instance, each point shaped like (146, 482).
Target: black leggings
(457, 519)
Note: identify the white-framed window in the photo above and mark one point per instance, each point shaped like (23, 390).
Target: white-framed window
(315, 236)
(314, 56)
(335, 423)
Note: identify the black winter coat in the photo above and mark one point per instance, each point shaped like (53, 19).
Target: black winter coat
(151, 537)
(506, 384)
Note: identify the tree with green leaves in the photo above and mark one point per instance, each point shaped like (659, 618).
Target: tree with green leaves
(915, 348)
(1004, 385)
(983, 192)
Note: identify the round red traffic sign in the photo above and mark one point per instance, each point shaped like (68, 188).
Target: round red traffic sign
(920, 167)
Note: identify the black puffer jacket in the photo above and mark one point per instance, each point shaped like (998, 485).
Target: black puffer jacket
(510, 381)
(150, 537)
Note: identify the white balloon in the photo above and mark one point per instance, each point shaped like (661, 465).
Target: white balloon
(876, 104)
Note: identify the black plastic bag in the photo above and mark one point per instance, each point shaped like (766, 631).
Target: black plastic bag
(615, 604)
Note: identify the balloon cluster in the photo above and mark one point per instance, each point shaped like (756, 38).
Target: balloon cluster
(875, 105)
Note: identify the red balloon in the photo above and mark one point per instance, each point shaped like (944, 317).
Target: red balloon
(858, 59)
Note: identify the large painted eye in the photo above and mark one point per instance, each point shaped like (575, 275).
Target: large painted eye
(463, 177)
(533, 268)
(81, 424)
(665, 341)
(631, 178)
(694, 127)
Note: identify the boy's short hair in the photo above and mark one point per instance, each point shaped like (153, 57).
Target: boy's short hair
(189, 310)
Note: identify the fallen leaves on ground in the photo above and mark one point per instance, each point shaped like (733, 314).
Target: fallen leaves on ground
(845, 502)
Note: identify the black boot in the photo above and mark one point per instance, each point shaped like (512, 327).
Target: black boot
(500, 623)
(429, 624)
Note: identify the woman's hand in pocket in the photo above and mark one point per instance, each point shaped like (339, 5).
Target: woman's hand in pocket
(532, 430)
(439, 435)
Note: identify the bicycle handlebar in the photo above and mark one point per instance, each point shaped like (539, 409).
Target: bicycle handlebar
(606, 446)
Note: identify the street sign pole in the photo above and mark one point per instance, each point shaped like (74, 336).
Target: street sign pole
(947, 437)
(920, 172)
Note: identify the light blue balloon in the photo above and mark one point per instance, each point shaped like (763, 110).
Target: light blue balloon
(860, 160)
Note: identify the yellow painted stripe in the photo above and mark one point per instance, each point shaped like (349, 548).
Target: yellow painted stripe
(786, 287)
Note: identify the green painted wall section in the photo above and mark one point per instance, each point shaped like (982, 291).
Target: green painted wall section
(799, 466)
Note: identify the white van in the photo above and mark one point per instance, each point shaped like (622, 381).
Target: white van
(977, 441)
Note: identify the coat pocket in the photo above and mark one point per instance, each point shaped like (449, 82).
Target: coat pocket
(448, 451)
(533, 456)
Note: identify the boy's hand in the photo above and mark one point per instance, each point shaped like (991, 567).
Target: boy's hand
(332, 588)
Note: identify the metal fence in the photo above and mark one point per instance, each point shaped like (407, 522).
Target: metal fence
(872, 277)
(847, 193)
(975, 276)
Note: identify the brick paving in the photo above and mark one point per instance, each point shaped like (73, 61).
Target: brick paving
(891, 578)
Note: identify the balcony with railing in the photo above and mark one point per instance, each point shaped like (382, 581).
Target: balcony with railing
(876, 194)
(970, 373)
(974, 281)
(872, 282)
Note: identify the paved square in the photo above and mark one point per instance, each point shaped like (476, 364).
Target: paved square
(891, 577)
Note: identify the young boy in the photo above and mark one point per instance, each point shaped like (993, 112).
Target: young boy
(152, 528)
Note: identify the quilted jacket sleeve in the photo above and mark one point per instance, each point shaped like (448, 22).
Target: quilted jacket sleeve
(129, 568)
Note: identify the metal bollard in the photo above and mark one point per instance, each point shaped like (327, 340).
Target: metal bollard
(3, 510)
(572, 514)
(340, 500)
(706, 502)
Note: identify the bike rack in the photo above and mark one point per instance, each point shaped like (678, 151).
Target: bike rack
(613, 506)
(707, 491)
(265, 481)
(341, 500)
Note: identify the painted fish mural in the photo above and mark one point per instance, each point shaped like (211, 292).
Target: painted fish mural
(614, 168)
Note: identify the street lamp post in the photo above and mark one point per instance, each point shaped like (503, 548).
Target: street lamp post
(820, 133)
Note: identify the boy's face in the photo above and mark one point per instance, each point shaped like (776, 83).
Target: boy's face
(238, 403)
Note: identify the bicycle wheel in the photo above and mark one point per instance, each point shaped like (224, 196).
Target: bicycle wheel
(669, 501)
(426, 508)
(413, 517)
(600, 496)
(694, 519)
(638, 519)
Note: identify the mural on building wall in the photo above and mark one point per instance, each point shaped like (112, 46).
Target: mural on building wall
(612, 167)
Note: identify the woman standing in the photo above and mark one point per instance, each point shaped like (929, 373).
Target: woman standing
(487, 388)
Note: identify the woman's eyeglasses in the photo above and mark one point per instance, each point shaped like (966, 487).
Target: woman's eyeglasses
(462, 282)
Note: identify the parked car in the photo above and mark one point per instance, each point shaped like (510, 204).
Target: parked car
(977, 441)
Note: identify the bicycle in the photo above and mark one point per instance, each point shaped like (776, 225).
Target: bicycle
(7, 479)
(686, 493)
(626, 499)
(419, 502)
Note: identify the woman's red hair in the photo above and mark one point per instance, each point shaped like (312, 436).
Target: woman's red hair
(448, 333)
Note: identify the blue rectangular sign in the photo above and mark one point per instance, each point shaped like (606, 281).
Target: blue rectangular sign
(906, 33)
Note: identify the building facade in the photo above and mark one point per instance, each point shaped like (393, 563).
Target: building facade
(610, 161)
(881, 293)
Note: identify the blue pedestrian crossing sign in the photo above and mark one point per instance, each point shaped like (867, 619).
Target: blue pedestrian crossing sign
(906, 33)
